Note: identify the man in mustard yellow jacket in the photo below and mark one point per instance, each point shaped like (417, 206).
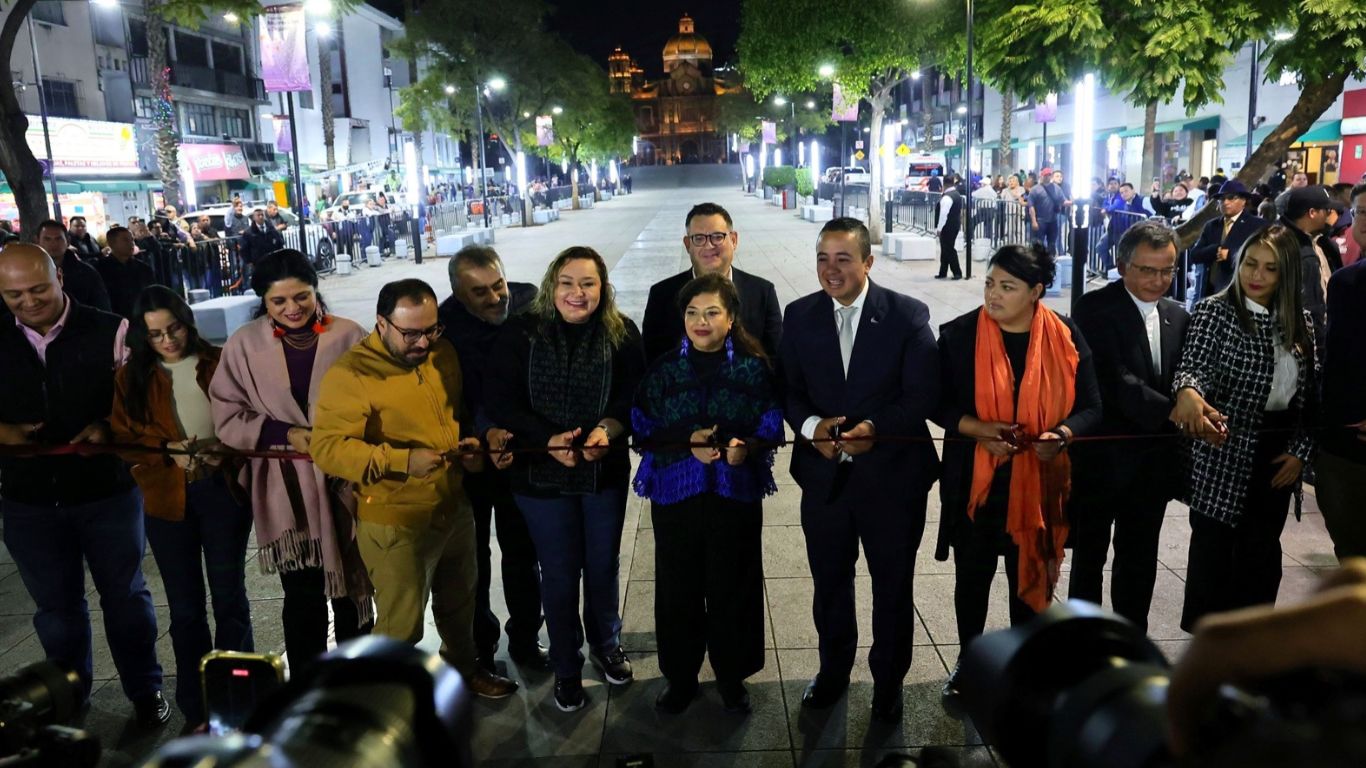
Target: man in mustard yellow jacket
(388, 420)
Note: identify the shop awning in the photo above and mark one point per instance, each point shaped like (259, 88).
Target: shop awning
(1324, 130)
(63, 188)
(1172, 126)
(120, 185)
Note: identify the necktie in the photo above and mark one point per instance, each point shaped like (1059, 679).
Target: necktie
(1154, 323)
(846, 329)
(1228, 224)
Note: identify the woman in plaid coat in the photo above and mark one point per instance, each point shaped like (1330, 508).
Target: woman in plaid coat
(1245, 386)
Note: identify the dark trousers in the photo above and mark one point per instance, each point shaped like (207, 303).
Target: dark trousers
(1240, 566)
(1136, 513)
(49, 544)
(578, 539)
(1047, 233)
(305, 617)
(889, 529)
(212, 541)
(709, 587)
(1340, 486)
(492, 502)
(948, 252)
(977, 546)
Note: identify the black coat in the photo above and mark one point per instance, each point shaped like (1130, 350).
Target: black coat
(893, 382)
(257, 242)
(662, 329)
(1206, 249)
(958, 368)
(82, 283)
(1344, 363)
(1135, 399)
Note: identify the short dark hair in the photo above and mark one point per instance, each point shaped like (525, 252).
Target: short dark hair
(709, 209)
(411, 288)
(1342, 190)
(1359, 190)
(1126, 184)
(1153, 233)
(1031, 263)
(850, 224)
(482, 256)
(48, 224)
(279, 265)
(116, 231)
(74, 219)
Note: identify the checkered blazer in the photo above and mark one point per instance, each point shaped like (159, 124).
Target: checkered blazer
(1233, 370)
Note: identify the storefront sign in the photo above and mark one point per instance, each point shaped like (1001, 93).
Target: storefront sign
(86, 147)
(214, 162)
(1353, 126)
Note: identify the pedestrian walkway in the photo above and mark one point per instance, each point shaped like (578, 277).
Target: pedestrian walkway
(640, 235)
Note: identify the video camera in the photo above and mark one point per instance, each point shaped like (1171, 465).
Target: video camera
(34, 702)
(1080, 687)
(373, 701)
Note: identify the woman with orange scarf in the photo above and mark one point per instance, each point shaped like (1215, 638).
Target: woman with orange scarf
(1018, 387)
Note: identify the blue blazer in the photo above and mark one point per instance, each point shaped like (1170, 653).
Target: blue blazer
(893, 382)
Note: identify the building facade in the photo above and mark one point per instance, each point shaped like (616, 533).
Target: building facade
(675, 115)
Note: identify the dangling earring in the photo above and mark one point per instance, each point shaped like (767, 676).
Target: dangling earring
(321, 321)
(278, 331)
(730, 349)
(683, 352)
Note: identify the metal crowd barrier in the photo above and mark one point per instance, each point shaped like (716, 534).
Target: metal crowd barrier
(212, 265)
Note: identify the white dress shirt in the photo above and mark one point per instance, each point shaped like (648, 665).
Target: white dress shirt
(1285, 380)
(809, 426)
(1152, 323)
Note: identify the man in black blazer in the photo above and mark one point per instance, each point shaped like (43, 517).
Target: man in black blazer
(1135, 335)
(1221, 238)
(711, 241)
(860, 361)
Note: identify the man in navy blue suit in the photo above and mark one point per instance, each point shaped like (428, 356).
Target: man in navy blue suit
(860, 361)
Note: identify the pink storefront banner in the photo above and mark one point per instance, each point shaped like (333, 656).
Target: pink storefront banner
(284, 49)
(214, 162)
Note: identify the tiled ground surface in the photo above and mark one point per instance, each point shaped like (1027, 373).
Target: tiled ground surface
(640, 237)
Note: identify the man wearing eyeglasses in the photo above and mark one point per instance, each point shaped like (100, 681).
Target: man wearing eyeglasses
(1135, 334)
(711, 241)
(389, 419)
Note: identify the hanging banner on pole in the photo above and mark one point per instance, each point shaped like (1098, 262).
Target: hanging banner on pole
(1047, 110)
(770, 132)
(284, 135)
(843, 112)
(545, 131)
(284, 50)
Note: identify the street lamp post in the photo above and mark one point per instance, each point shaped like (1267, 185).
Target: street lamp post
(42, 112)
(967, 158)
(496, 84)
(1251, 103)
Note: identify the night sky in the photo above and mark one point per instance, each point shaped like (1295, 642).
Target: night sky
(596, 27)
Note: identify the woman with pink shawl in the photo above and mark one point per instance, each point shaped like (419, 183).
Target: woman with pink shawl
(262, 397)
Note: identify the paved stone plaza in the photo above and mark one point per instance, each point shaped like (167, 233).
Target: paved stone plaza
(640, 236)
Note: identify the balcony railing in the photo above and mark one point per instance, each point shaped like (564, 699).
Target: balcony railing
(201, 78)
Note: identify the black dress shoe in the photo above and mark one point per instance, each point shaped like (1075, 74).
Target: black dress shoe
(822, 692)
(956, 277)
(734, 696)
(676, 697)
(941, 277)
(152, 710)
(534, 656)
(887, 705)
(950, 697)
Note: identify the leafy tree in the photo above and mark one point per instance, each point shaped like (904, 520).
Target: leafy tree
(873, 46)
(22, 170)
(594, 124)
(1153, 50)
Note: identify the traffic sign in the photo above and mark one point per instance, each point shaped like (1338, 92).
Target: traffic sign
(859, 154)
(951, 140)
(903, 151)
(858, 144)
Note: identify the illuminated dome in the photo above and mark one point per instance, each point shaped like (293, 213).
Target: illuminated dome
(687, 45)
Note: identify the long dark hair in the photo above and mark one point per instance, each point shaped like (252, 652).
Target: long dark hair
(1288, 304)
(142, 358)
(730, 299)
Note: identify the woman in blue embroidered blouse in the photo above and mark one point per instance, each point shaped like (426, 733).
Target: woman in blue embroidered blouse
(718, 390)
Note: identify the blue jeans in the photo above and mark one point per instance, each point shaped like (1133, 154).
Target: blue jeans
(1046, 233)
(216, 526)
(578, 537)
(48, 544)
